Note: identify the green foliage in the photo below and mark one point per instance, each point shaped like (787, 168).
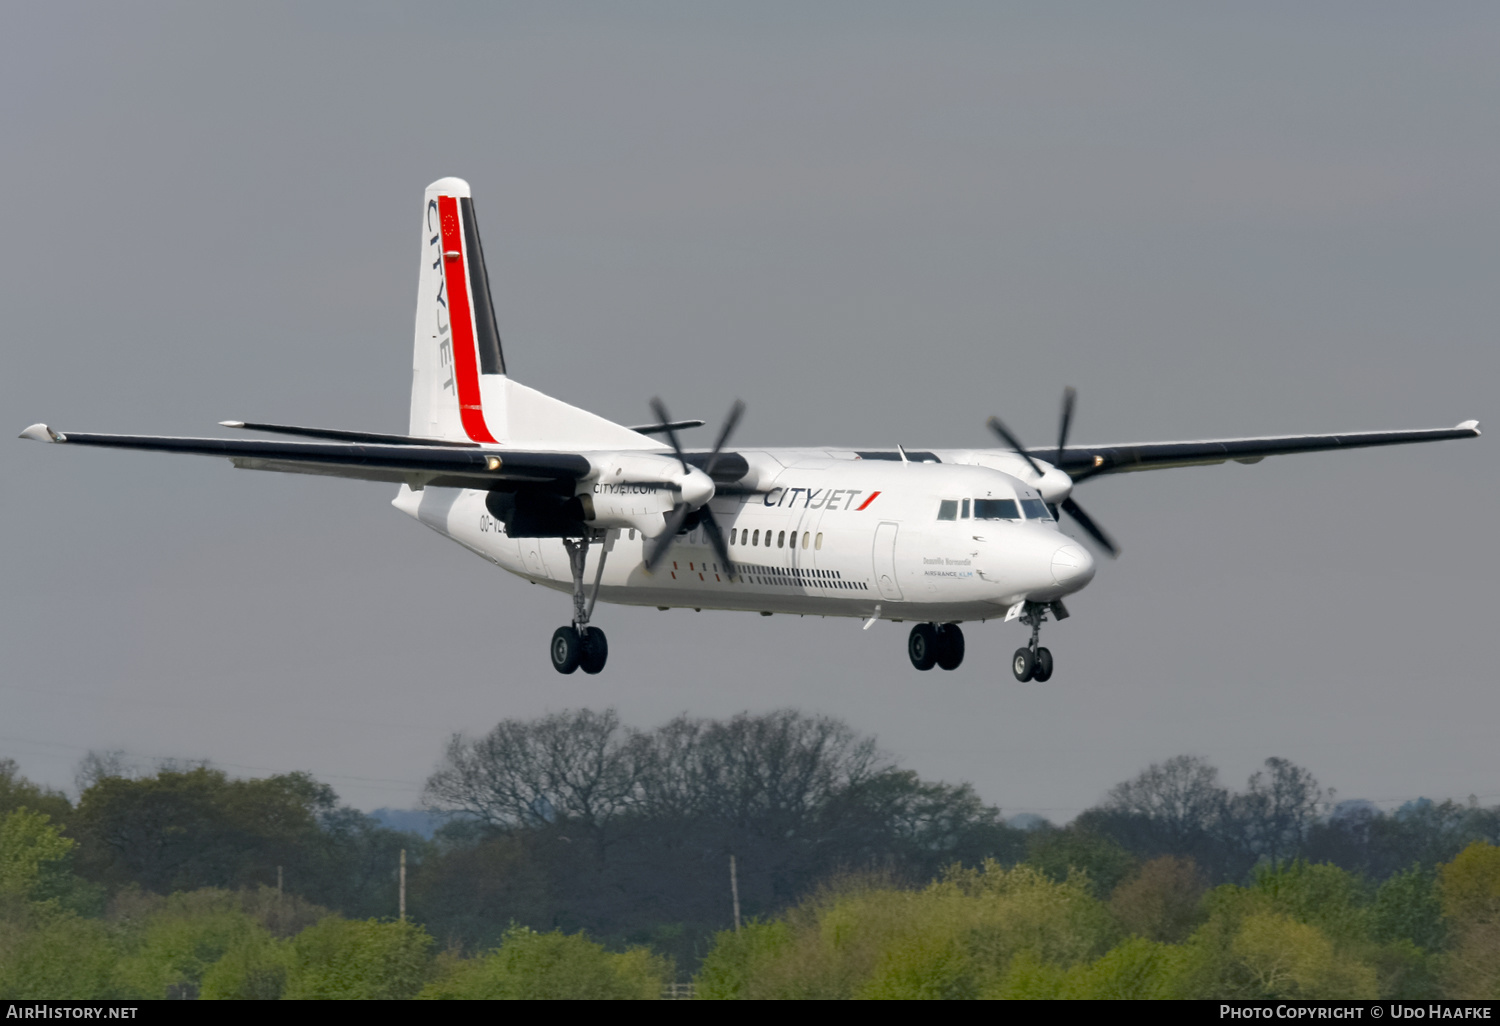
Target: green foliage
(168, 951)
(926, 965)
(1059, 853)
(1029, 978)
(1470, 892)
(1022, 910)
(1135, 970)
(962, 936)
(1161, 902)
(17, 792)
(188, 829)
(345, 959)
(29, 846)
(1267, 954)
(739, 960)
(253, 968)
(1323, 896)
(1407, 909)
(531, 966)
(198, 828)
(50, 953)
(1470, 886)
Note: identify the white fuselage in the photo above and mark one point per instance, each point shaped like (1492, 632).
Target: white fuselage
(831, 535)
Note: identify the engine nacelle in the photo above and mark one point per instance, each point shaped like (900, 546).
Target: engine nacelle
(638, 490)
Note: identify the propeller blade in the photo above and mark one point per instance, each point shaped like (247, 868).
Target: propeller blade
(716, 538)
(1071, 507)
(735, 412)
(662, 542)
(665, 422)
(1011, 440)
(1069, 395)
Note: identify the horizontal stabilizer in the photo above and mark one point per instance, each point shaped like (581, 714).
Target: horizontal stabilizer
(661, 429)
(337, 435)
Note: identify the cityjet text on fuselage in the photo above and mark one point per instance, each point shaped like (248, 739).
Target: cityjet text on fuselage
(819, 498)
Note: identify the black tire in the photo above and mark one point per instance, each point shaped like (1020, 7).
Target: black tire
(594, 650)
(1043, 669)
(1023, 664)
(565, 649)
(950, 649)
(922, 645)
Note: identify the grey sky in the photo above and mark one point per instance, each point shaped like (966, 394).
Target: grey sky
(875, 223)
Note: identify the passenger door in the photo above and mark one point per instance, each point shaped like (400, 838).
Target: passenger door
(885, 560)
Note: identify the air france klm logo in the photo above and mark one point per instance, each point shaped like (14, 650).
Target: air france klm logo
(819, 498)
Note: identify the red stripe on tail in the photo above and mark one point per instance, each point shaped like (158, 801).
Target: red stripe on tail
(465, 356)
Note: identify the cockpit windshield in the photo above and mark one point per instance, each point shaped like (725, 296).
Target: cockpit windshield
(1036, 509)
(996, 509)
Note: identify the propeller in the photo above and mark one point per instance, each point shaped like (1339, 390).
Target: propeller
(680, 512)
(1068, 505)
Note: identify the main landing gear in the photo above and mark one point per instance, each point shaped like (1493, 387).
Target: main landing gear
(1034, 662)
(940, 644)
(580, 646)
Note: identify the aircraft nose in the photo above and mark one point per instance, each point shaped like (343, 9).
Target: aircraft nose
(1072, 566)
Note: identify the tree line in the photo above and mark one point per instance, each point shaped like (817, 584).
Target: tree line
(609, 847)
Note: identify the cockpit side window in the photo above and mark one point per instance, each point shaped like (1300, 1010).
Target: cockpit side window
(963, 513)
(996, 509)
(948, 509)
(1035, 509)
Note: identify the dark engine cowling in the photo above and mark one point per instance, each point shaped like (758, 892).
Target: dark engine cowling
(537, 513)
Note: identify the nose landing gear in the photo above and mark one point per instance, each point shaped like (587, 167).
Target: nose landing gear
(936, 644)
(580, 646)
(1034, 662)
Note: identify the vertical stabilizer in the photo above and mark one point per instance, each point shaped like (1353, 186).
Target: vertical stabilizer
(456, 336)
(459, 388)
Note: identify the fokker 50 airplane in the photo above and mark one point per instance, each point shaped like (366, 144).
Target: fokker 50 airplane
(567, 499)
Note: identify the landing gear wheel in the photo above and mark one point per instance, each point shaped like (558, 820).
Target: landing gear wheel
(1023, 664)
(566, 647)
(950, 647)
(1043, 669)
(593, 650)
(923, 646)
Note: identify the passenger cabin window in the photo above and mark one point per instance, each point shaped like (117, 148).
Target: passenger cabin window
(781, 539)
(996, 509)
(806, 537)
(818, 541)
(1035, 509)
(963, 510)
(948, 509)
(755, 538)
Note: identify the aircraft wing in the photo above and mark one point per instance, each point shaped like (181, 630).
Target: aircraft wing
(1084, 461)
(440, 465)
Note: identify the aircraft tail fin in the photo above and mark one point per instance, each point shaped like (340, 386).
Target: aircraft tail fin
(456, 337)
(460, 390)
